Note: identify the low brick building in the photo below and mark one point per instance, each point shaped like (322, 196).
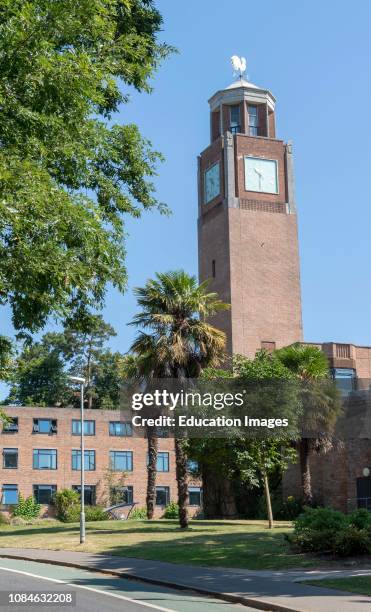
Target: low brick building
(342, 478)
(40, 455)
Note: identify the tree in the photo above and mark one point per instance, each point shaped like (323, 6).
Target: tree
(68, 174)
(82, 344)
(38, 377)
(175, 341)
(321, 402)
(250, 457)
(40, 372)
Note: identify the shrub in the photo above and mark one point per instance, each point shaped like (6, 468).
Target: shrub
(138, 514)
(67, 503)
(361, 518)
(26, 508)
(315, 529)
(95, 513)
(171, 511)
(3, 519)
(353, 541)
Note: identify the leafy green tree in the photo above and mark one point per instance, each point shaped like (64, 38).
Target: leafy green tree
(175, 341)
(38, 377)
(243, 458)
(40, 372)
(68, 173)
(321, 403)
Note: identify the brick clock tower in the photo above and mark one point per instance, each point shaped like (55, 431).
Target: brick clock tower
(247, 227)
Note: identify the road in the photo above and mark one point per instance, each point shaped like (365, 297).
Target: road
(98, 592)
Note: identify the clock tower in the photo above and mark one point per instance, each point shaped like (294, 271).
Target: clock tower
(247, 226)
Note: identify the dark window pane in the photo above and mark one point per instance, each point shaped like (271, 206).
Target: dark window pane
(162, 496)
(89, 493)
(235, 116)
(11, 426)
(10, 458)
(44, 493)
(122, 495)
(195, 494)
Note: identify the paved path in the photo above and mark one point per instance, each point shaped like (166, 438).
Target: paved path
(94, 592)
(278, 590)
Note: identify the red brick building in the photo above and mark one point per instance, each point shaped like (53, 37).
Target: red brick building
(248, 247)
(40, 455)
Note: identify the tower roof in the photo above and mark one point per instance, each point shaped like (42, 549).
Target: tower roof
(242, 90)
(242, 83)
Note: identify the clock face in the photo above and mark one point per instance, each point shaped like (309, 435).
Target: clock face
(212, 182)
(261, 175)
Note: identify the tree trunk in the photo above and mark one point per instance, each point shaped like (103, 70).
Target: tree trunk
(218, 494)
(268, 499)
(151, 471)
(182, 481)
(304, 453)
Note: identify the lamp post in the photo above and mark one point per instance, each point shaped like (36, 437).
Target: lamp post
(81, 381)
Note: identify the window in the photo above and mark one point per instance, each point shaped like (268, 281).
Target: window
(345, 379)
(121, 461)
(89, 493)
(122, 495)
(253, 120)
(162, 462)
(195, 496)
(213, 268)
(235, 119)
(89, 428)
(44, 494)
(10, 494)
(44, 426)
(162, 496)
(89, 460)
(11, 426)
(192, 466)
(364, 492)
(45, 459)
(10, 458)
(119, 428)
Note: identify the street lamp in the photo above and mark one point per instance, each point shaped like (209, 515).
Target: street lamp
(81, 381)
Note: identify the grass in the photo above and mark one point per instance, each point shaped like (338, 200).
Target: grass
(355, 584)
(240, 544)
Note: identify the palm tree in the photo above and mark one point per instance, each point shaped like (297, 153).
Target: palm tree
(175, 341)
(321, 402)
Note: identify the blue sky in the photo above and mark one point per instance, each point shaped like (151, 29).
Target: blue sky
(315, 58)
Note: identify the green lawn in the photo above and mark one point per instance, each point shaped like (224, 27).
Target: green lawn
(245, 544)
(357, 584)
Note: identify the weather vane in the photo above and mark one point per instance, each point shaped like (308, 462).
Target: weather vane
(239, 65)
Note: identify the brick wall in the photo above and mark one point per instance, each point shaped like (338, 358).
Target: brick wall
(64, 477)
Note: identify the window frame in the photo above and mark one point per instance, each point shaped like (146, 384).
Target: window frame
(127, 453)
(15, 452)
(126, 426)
(12, 487)
(73, 421)
(36, 497)
(76, 454)
(91, 489)
(36, 452)
(53, 426)
(14, 422)
(197, 491)
(167, 495)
